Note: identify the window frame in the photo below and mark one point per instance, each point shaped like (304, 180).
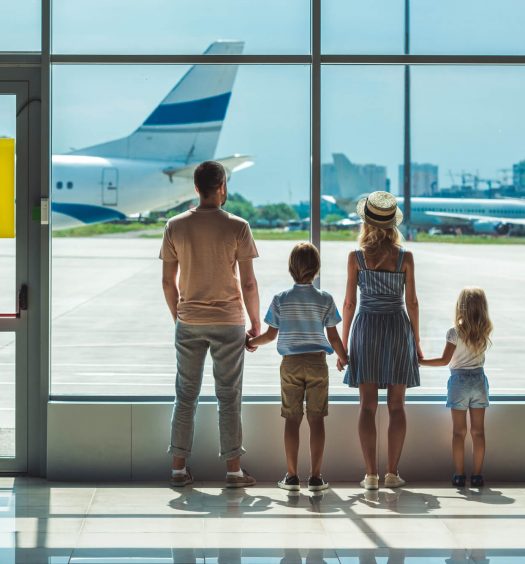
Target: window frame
(315, 60)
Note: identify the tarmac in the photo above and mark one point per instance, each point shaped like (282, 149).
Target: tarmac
(112, 333)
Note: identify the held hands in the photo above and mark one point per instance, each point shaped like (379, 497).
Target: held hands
(420, 355)
(253, 332)
(342, 361)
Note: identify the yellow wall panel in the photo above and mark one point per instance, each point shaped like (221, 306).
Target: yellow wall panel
(7, 188)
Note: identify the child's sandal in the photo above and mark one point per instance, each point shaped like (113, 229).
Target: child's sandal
(477, 481)
(459, 480)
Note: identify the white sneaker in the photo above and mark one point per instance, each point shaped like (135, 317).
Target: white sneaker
(370, 482)
(393, 480)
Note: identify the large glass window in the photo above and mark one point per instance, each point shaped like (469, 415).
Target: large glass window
(112, 333)
(372, 28)
(185, 26)
(20, 25)
(7, 204)
(467, 127)
(469, 27)
(362, 146)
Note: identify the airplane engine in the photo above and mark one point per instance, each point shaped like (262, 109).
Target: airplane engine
(491, 228)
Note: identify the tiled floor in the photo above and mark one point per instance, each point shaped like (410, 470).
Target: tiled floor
(58, 523)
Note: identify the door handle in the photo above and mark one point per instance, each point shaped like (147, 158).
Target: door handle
(22, 299)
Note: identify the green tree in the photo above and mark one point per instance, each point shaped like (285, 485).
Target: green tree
(240, 206)
(277, 212)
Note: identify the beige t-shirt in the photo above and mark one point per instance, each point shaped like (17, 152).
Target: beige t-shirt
(463, 357)
(207, 243)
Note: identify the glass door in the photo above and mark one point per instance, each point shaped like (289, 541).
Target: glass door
(13, 274)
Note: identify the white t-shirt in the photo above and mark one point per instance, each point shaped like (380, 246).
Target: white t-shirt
(463, 356)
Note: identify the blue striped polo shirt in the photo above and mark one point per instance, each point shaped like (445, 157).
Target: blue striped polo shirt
(301, 314)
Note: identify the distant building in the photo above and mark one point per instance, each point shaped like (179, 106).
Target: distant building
(424, 179)
(518, 176)
(329, 180)
(349, 180)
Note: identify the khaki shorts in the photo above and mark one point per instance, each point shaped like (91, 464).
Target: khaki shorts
(304, 375)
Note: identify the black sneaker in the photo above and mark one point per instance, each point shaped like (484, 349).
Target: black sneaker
(477, 481)
(290, 483)
(459, 480)
(316, 484)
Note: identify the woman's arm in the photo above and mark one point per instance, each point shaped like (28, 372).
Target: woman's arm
(263, 339)
(411, 299)
(443, 360)
(350, 302)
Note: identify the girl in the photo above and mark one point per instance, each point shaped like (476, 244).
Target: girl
(384, 345)
(468, 387)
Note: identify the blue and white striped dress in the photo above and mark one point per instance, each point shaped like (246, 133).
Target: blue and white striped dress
(382, 347)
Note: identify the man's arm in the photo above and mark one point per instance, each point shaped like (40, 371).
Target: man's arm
(169, 285)
(250, 295)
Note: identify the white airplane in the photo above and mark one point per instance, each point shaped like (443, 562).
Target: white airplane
(476, 215)
(151, 169)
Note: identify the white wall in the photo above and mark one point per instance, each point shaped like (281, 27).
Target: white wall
(125, 441)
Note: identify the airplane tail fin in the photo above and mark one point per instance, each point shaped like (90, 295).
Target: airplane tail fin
(186, 125)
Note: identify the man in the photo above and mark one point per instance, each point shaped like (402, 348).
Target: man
(212, 251)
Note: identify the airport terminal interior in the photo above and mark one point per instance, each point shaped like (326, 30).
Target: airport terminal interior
(106, 109)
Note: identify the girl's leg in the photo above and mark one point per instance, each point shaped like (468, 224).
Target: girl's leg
(317, 436)
(367, 425)
(397, 425)
(459, 432)
(477, 432)
(291, 444)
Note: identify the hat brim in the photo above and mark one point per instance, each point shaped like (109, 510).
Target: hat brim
(360, 210)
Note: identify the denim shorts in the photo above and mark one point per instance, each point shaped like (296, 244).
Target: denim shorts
(467, 387)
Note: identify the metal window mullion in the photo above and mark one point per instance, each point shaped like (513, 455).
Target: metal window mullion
(407, 59)
(181, 59)
(45, 238)
(315, 124)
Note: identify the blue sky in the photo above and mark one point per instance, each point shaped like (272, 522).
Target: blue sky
(462, 118)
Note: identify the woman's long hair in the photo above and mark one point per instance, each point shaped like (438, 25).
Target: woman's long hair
(473, 323)
(376, 241)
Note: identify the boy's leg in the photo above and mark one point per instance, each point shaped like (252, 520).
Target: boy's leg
(459, 432)
(477, 432)
(191, 352)
(292, 398)
(397, 425)
(227, 352)
(316, 408)
(317, 440)
(367, 425)
(291, 444)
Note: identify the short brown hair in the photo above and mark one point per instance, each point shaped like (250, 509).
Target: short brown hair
(304, 263)
(208, 177)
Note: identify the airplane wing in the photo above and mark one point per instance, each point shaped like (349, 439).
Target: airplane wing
(231, 164)
(466, 219)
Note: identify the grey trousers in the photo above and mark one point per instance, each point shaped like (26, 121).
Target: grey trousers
(226, 345)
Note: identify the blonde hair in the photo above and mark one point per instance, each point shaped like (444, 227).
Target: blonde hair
(304, 263)
(472, 322)
(377, 240)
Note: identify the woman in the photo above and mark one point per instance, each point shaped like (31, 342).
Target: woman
(384, 344)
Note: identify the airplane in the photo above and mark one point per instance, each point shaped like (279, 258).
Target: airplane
(152, 168)
(474, 215)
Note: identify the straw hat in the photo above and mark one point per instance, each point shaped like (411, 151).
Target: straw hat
(380, 210)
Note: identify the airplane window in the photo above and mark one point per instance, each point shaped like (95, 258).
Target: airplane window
(69, 185)
(60, 185)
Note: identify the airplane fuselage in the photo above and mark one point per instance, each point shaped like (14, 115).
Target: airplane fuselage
(88, 190)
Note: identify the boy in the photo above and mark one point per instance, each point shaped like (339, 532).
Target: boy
(299, 316)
